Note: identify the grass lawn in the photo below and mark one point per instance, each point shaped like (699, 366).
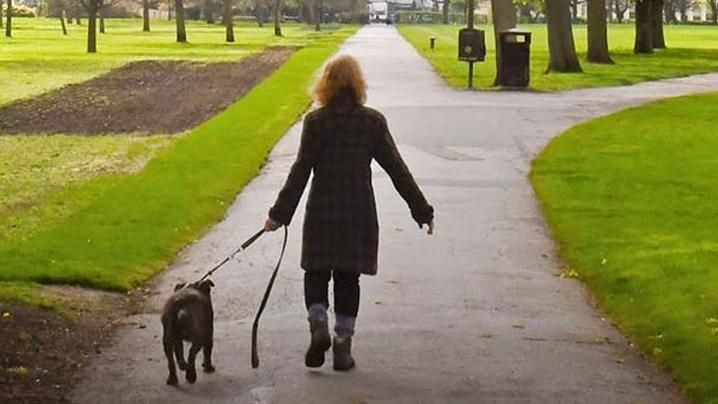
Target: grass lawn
(111, 211)
(692, 50)
(631, 199)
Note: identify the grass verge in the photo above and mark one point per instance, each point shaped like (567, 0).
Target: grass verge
(135, 224)
(692, 50)
(631, 201)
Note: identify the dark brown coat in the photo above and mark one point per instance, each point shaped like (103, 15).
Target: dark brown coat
(338, 143)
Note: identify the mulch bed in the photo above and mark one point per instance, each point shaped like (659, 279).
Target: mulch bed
(149, 97)
(42, 352)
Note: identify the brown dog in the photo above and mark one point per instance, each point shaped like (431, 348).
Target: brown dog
(188, 316)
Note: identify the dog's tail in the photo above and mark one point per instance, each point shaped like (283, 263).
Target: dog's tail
(182, 317)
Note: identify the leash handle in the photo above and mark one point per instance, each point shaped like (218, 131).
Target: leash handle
(255, 326)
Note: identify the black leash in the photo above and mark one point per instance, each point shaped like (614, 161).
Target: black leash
(244, 246)
(255, 326)
(241, 248)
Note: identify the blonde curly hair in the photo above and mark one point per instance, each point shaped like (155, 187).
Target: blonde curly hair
(341, 74)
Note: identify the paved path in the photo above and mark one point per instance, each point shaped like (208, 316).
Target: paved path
(473, 314)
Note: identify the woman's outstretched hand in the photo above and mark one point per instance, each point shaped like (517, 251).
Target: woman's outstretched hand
(271, 225)
(431, 228)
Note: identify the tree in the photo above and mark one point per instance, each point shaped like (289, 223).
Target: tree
(62, 22)
(1, 22)
(530, 10)
(8, 22)
(92, 7)
(228, 20)
(146, 15)
(561, 47)
(317, 15)
(179, 18)
(277, 17)
(621, 7)
(445, 11)
(597, 32)
(644, 27)
(504, 17)
(208, 10)
(713, 4)
(659, 40)
(670, 10)
(101, 13)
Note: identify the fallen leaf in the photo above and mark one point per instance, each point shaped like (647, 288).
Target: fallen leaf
(19, 370)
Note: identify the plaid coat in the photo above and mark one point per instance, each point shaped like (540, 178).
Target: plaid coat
(338, 143)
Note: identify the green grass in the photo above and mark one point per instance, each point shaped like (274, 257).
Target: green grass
(39, 174)
(692, 50)
(129, 227)
(39, 58)
(631, 199)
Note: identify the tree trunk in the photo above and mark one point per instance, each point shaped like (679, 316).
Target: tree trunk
(504, 17)
(102, 21)
(146, 15)
(659, 40)
(208, 12)
(69, 18)
(2, 24)
(277, 17)
(597, 32)
(574, 10)
(62, 22)
(714, 11)
(169, 10)
(91, 27)
(259, 10)
(8, 21)
(228, 21)
(445, 11)
(562, 49)
(78, 21)
(179, 18)
(644, 27)
(318, 15)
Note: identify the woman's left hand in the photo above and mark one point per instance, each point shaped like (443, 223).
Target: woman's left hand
(271, 225)
(431, 227)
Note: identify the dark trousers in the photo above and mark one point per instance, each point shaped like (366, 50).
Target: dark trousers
(346, 291)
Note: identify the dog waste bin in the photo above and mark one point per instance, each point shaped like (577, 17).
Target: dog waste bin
(472, 45)
(515, 56)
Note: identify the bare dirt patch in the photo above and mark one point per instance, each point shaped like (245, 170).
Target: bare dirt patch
(43, 351)
(142, 97)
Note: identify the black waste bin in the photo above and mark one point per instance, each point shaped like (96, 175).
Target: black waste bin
(515, 56)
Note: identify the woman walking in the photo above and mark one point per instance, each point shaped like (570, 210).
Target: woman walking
(340, 239)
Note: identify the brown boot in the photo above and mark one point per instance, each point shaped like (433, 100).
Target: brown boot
(343, 360)
(320, 343)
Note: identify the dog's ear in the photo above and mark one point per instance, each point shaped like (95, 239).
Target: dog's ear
(179, 286)
(206, 285)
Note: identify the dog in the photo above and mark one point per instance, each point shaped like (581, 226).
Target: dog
(188, 316)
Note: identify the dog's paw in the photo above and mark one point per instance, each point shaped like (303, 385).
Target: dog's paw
(191, 375)
(182, 366)
(172, 380)
(208, 368)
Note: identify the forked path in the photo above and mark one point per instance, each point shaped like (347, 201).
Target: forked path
(473, 314)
